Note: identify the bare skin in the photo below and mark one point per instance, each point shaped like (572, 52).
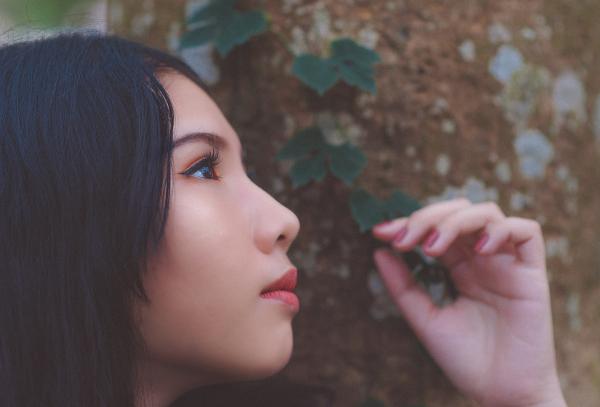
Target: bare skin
(495, 343)
(227, 239)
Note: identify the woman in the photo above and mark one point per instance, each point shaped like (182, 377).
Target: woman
(123, 197)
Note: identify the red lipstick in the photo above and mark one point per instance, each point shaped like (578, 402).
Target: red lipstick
(282, 290)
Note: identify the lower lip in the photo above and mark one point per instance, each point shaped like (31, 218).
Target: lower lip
(286, 297)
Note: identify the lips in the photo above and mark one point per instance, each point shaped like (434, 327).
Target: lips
(287, 282)
(281, 290)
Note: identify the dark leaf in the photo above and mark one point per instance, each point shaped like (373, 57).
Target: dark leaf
(355, 63)
(366, 209)
(302, 144)
(238, 28)
(315, 72)
(220, 23)
(198, 36)
(401, 204)
(346, 161)
(347, 49)
(213, 11)
(307, 169)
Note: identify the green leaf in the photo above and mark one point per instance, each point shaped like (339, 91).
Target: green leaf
(198, 36)
(315, 72)
(366, 209)
(347, 49)
(359, 76)
(346, 161)
(348, 61)
(239, 28)
(302, 144)
(213, 11)
(355, 63)
(228, 27)
(401, 204)
(369, 211)
(307, 169)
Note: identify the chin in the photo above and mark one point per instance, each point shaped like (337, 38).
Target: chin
(274, 358)
(277, 363)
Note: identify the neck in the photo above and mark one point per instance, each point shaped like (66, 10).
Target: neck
(159, 385)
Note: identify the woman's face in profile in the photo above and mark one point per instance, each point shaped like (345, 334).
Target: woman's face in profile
(225, 241)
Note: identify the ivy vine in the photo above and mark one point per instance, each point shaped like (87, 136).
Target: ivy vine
(219, 22)
(348, 61)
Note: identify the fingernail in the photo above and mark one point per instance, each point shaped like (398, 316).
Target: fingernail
(401, 234)
(482, 241)
(431, 239)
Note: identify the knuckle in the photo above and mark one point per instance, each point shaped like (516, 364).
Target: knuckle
(492, 207)
(449, 224)
(527, 223)
(534, 225)
(417, 217)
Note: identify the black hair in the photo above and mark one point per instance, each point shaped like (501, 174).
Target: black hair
(85, 171)
(86, 133)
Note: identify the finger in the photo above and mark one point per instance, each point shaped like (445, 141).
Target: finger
(410, 298)
(459, 224)
(524, 234)
(389, 231)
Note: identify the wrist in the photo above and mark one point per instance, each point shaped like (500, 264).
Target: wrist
(550, 397)
(557, 402)
(554, 403)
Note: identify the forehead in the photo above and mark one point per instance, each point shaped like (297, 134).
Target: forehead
(194, 110)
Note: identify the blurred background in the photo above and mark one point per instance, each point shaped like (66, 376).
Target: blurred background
(492, 100)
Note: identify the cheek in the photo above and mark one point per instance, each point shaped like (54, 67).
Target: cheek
(204, 284)
(193, 271)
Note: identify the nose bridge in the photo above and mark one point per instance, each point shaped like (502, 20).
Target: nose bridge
(274, 224)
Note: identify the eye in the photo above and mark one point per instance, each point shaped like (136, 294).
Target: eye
(206, 166)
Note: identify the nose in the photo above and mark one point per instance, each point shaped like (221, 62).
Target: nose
(275, 225)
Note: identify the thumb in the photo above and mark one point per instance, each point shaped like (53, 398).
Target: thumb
(410, 298)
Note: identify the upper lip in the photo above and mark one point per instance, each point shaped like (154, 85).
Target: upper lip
(286, 282)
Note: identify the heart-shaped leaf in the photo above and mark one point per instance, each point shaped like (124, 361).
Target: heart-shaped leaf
(198, 36)
(302, 144)
(348, 61)
(315, 72)
(401, 204)
(346, 162)
(307, 169)
(212, 12)
(369, 211)
(239, 28)
(220, 23)
(355, 63)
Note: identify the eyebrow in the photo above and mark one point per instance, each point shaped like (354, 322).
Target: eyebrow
(211, 138)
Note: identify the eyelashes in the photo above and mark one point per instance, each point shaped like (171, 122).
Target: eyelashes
(210, 162)
(207, 167)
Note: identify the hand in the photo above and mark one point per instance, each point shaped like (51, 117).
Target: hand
(495, 342)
